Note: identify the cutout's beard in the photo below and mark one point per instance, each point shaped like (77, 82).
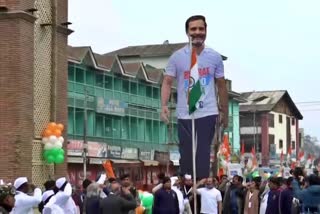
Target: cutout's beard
(198, 40)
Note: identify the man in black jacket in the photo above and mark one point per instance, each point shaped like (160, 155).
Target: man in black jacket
(165, 199)
(115, 204)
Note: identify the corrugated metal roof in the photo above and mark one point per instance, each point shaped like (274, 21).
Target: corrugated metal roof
(104, 61)
(131, 68)
(266, 101)
(77, 53)
(150, 50)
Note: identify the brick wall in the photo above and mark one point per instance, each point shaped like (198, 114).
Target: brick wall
(16, 97)
(18, 4)
(17, 87)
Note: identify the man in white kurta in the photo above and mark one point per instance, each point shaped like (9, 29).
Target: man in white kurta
(50, 206)
(25, 202)
(63, 196)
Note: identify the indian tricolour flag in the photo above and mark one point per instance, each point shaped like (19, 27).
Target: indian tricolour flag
(194, 84)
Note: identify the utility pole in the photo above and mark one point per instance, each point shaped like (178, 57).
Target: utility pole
(85, 143)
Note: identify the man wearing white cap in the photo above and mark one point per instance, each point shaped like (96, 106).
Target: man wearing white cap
(49, 202)
(175, 182)
(24, 202)
(63, 196)
(188, 194)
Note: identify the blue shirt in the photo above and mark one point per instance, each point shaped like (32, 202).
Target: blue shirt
(273, 202)
(210, 66)
(165, 202)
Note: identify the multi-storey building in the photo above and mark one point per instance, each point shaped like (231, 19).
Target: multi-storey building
(269, 122)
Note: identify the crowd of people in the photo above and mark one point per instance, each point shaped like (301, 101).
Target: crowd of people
(103, 196)
(298, 193)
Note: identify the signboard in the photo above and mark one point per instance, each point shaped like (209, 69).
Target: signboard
(95, 149)
(174, 155)
(234, 169)
(273, 154)
(75, 148)
(114, 107)
(129, 153)
(162, 157)
(114, 152)
(146, 154)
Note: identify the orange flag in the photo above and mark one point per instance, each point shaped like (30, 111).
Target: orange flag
(107, 165)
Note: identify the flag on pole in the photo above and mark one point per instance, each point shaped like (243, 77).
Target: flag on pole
(242, 149)
(301, 156)
(225, 148)
(281, 157)
(289, 155)
(242, 154)
(194, 84)
(308, 162)
(254, 158)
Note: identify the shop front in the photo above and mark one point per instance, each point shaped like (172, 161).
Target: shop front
(150, 169)
(175, 161)
(164, 163)
(124, 160)
(96, 155)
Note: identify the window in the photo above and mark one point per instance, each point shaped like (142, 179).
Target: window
(300, 136)
(79, 121)
(108, 126)
(90, 122)
(271, 120)
(293, 145)
(280, 118)
(141, 129)
(70, 120)
(156, 93)
(271, 139)
(163, 134)
(280, 144)
(79, 75)
(133, 88)
(108, 84)
(99, 126)
(116, 127)
(125, 86)
(134, 128)
(99, 80)
(125, 128)
(148, 132)
(90, 77)
(149, 91)
(117, 83)
(71, 73)
(293, 121)
(142, 90)
(155, 131)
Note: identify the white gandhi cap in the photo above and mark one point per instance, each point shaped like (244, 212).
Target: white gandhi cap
(188, 177)
(47, 194)
(19, 181)
(60, 182)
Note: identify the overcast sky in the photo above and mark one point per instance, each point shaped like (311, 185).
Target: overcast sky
(270, 45)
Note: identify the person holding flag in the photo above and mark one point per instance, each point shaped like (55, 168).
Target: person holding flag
(199, 72)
